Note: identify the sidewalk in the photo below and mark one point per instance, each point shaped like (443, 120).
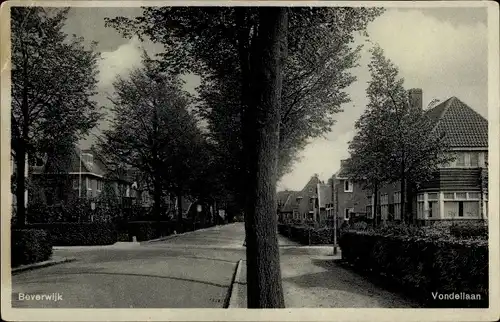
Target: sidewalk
(54, 260)
(313, 279)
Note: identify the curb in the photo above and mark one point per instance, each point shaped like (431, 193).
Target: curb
(234, 293)
(47, 263)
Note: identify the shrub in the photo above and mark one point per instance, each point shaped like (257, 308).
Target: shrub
(80, 234)
(422, 265)
(468, 230)
(307, 235)
(29, 246)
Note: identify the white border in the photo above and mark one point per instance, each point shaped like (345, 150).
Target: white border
(493, 313)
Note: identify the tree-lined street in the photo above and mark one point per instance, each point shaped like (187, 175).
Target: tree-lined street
(191, 271)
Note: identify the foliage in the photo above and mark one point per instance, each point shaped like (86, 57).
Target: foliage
(153, 131)
(29, 246)
(307, 235)
(395, 141)
(421, 265)
(54, 78)
(216, 43)
(79, 234)
(469, 230)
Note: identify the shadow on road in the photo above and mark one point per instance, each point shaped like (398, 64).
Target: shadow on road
(60, 278)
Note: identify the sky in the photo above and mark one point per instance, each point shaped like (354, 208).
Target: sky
(443, 51)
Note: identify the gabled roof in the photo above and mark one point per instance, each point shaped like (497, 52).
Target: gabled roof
(286, 200)
(324, 194)
(463, 127)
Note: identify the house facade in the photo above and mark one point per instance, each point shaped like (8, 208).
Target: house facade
(312, 204)
(85, 176)
(457, 191)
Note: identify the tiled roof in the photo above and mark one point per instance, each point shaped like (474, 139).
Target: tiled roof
(463, 127)
(287, 200)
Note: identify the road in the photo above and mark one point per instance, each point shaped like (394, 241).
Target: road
(194, 270)
(190, 271)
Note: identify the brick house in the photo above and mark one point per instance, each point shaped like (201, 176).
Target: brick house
(350, 199)
(457, 191)
(301, 205)
(85, 175)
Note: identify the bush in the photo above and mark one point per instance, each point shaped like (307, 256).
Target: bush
(80, 234)
(307, 235)
(29, 246)
(468, 230)
(422, 265)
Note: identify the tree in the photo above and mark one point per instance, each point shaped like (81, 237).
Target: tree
(153, 131)
(222, 46)
(53, 82)
(395, 140)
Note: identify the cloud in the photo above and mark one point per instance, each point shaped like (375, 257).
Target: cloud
(119, 62)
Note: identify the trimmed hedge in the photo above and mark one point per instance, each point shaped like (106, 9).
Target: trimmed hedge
(80, 234)
(147, 230)
(29, 246)
(307, 235)
(422, 265)
(469, 230)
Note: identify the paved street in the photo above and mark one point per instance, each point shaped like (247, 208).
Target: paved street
(176, 273)
(192, 271)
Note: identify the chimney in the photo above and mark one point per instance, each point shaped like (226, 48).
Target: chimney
(415, 96)
(342, 162)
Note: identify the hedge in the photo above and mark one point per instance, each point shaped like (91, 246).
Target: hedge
(147, 230)
(80, 234)
(29, 246)
(307, 235)
(469, 230)
(422, 265)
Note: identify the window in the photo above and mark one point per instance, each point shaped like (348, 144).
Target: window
(460, 161)
(473, 195)
(460, 195)
(99, 185)
(433, 209)
(75, 183)
(474, 159)
(432, 196)
(347, 186)
(449, 195)
(384, 199)
(420, 197)
(87, 184)
(370, 200)
(347, 213)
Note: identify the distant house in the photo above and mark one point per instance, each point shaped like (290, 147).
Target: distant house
(458, 190)
(301, 205)
(84, 175)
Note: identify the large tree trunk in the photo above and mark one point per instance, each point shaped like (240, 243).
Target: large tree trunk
(260, 141)
(20, 161)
